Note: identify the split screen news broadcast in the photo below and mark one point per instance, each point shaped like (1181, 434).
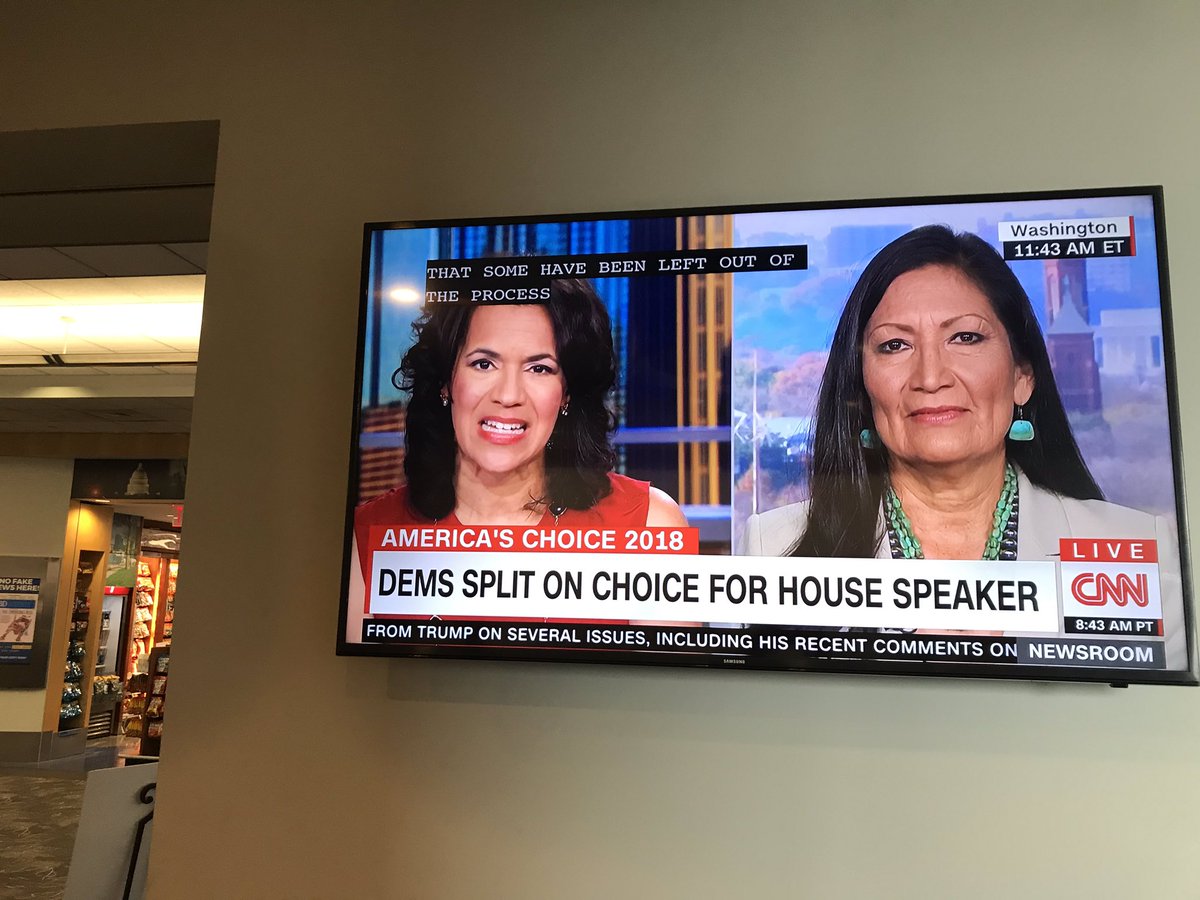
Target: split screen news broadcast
(929, 436)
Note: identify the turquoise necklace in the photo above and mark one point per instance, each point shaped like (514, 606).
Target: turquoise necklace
(1001, 542)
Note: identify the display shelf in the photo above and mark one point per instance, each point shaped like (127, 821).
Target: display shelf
(168, 620)
(133, 707)
(152, 719)
(73, 701)
(144, 611)
(150, 623)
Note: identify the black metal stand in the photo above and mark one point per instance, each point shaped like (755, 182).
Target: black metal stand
(145, 795)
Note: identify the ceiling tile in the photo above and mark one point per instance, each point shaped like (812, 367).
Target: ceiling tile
(166, 287)
(107, 415)
(150, 360)
(123, 260)
(196, 253)
(183, 344)
(134, 343)
(25, 293)
(41, 262)
(143, 368)
(10, 346)
(59, 345)
(151, 288)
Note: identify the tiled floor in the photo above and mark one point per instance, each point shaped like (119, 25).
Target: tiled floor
(39, 815)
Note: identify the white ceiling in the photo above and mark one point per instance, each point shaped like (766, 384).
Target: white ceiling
(101, 320)
(103, 253)
(99, 290)
(99, 354)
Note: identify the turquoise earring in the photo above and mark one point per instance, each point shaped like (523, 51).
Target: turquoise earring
(1020, 430)
(868, 439)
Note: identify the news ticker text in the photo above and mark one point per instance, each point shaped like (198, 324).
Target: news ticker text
(775, 647)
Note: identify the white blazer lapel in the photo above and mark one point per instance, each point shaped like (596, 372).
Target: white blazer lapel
(1043, 521)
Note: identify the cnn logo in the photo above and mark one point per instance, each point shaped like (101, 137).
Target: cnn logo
(1098, 589)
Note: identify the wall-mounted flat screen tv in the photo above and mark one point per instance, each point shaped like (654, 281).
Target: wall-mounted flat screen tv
(909, 436)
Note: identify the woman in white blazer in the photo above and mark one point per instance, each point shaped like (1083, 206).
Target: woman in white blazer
(939, 430)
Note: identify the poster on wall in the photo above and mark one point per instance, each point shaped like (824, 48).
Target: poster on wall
(129, 479)
(18, 617)
(123, 551)
(920, 436)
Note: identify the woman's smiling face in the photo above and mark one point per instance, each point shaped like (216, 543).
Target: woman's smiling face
(939, 370)
(506, 390)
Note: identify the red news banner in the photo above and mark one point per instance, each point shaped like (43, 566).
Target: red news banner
(491, 538)
(1111, 587)
(658, 574)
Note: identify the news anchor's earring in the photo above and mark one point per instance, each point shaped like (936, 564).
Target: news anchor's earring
(445, 399)
(868, 439)
(1021, 429)
(562, 411)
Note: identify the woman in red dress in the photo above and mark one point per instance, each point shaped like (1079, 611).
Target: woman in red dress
(508, 424)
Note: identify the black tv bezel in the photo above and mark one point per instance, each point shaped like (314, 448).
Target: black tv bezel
(656, 659)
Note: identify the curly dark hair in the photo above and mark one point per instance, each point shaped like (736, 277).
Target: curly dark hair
(579, 454)
(848, 481)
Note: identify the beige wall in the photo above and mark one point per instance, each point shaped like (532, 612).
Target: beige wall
(22, 710)
(292, 773)
(35, 494)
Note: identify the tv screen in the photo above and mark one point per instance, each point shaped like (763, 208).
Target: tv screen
(906, 436)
